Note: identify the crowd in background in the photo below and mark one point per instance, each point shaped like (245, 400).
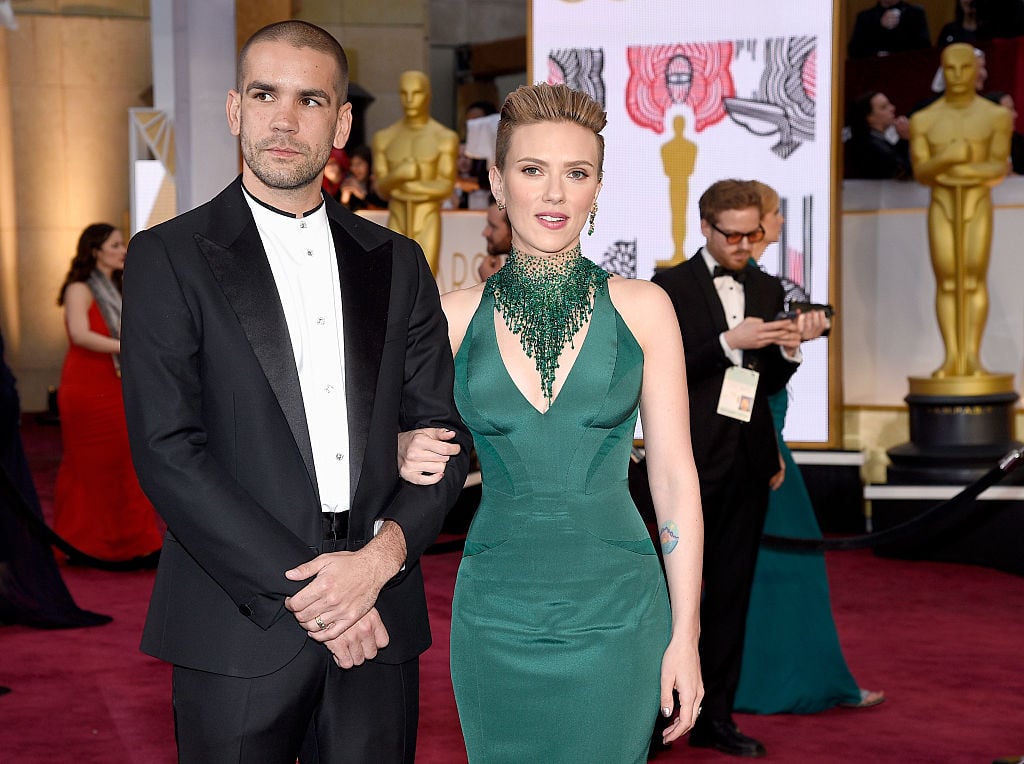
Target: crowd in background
(876, 137)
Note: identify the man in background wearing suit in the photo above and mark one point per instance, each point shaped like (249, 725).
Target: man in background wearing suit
(727, 309)
(274, 345)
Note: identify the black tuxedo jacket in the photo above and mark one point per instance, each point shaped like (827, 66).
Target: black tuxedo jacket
(219, 435)
(869, 37)
(716, 438)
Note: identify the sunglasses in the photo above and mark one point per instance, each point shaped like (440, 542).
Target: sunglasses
(735, 238)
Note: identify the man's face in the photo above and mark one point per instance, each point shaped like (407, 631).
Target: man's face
(731, 256)
(959, 68)
(287, 115)
(883, 113)
(414, 92)
(497, 233)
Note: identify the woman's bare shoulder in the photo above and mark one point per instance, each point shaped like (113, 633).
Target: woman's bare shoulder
(462, 300)
(629, 295)
(459, 307)
(643, 305)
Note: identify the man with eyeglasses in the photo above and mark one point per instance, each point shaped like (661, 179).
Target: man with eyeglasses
(737, 354)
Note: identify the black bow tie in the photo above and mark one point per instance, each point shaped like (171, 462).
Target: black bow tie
(739, 275)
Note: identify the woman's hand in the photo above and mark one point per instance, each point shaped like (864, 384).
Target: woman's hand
(680, 671)
(779, 477)
(423, 454)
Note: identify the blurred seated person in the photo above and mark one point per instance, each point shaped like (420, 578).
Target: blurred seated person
(335, 172)
(890, 26)
(358, 189)
(878, 147)
(966, 26)
(1017, 140)
(498, 235)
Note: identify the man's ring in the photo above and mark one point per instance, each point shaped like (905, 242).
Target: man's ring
(320, 623)
(699, 708)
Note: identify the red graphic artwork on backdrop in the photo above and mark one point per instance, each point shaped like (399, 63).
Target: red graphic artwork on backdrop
(809, 74)
(696, 74)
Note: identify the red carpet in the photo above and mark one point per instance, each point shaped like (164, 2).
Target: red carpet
(944, 642)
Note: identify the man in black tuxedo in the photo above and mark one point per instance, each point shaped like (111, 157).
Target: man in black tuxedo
(273, 346)
(727, 310)
(889, 26)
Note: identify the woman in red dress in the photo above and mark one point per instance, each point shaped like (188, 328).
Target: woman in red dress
(98, 504)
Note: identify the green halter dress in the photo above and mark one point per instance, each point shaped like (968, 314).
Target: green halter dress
(561, 613)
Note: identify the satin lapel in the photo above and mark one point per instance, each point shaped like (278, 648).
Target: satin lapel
(707, 288)
(244, 275)
(365, 277)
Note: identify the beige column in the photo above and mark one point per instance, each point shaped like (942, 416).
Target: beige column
(10, 322)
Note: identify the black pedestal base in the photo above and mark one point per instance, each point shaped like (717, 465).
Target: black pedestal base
(992, 537)
(955, 439)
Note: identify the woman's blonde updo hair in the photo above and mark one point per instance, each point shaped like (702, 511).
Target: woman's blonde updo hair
(769, 197)
(531, 104)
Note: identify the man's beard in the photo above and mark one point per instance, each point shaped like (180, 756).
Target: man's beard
(284, 178)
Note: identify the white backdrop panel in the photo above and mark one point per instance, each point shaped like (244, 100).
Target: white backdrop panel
(696, 92)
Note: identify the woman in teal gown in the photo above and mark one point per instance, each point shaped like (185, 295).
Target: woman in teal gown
(564, 646)
(792, 661)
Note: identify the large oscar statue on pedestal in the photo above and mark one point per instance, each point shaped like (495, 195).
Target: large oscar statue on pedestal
(415, 165)
(961, 417)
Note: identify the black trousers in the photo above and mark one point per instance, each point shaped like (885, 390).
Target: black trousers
(309, 709)
(734, 513)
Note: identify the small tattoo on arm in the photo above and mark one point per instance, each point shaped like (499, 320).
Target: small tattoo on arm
(669, 534)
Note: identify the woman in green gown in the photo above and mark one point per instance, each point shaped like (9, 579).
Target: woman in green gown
(792, 661)
(564, 646)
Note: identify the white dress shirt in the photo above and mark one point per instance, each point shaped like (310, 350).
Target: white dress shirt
(734, 302)
(304, 263)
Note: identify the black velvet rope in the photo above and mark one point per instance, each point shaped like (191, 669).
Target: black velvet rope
(941, 518)
(916, 532)
(11, 498)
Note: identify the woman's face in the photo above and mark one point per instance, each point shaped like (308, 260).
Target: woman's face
(359, 168)
(772, 224)
(883, 113)
(549, 184)
(110, 255)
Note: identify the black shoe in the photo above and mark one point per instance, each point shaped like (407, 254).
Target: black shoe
(724, 736)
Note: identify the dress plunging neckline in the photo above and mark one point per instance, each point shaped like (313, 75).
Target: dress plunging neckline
(565, 381)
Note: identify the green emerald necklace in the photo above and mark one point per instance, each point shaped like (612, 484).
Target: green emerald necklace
(545, 301)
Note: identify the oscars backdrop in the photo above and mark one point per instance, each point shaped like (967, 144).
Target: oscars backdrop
(698, 91)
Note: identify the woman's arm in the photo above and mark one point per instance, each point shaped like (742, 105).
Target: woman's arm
(423, 453)
(77, 299)
(664, 410)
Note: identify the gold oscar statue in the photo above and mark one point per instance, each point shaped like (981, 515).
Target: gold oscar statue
(415, 164)
(679, 157)
(959, 146)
